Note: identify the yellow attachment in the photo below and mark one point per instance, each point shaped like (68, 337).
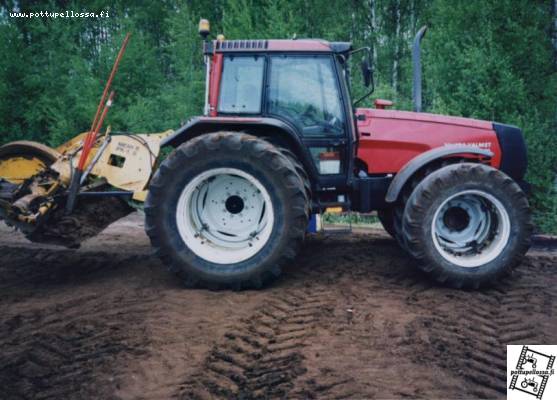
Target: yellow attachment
(334, 210)
(126, 163)
(72, 145)
(140, 196)
(23, 159)
(17, 169)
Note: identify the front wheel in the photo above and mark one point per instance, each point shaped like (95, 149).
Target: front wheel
(226, 210)
(386, 217)
(467, 224)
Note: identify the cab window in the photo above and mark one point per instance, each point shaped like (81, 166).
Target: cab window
(304, 90)
(241, 85)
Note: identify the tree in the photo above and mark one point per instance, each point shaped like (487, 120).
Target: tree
(495, 59)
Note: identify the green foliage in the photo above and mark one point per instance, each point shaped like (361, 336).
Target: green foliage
(501, 68)
(349, 218)
(492, 60)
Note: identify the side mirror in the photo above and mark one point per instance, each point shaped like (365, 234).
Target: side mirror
(367, 72)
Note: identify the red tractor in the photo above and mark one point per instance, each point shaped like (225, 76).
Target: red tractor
(281, 139)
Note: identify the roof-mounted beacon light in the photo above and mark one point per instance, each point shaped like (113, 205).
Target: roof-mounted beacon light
(204, 28)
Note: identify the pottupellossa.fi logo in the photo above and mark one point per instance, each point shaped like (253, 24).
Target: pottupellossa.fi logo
(530, 372)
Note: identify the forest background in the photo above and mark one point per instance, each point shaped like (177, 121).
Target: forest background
(488, 59)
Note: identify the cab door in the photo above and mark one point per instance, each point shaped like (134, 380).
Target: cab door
(304, 90)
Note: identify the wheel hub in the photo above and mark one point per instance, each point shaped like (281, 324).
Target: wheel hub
(234, 204)
(471, 228)
(456, 219)
(225, 215)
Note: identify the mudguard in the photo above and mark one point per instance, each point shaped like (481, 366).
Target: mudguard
(261, 126)
(425, 158)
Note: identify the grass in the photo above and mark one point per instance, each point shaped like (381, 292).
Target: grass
(347, 218)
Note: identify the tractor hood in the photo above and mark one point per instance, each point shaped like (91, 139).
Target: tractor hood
(388, 139)
(421, 117)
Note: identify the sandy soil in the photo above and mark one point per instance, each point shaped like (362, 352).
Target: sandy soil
(352, 318)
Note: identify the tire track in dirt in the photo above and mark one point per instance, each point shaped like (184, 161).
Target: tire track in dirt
(63, 357)
(462, 332)
(469, 337)
(350, 318)
(26, 270)
(263, 356)
(66, 347)
(365, 339)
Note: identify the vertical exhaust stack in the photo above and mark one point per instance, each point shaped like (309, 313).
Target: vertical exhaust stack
(417, 69)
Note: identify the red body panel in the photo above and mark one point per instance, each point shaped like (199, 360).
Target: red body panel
(298, 45)
(390, 138)
(305, 45)
(214, 85)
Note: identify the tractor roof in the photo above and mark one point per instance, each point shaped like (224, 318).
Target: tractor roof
(301, 45)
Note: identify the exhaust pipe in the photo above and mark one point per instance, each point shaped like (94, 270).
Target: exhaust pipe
(417, 70)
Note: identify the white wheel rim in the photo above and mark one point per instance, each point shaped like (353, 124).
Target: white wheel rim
(471, 228)
(225, 215)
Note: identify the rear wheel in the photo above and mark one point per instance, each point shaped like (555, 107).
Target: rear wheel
(467, 224)
(299, 170)
(227, 210)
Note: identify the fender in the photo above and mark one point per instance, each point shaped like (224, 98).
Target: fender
(425, 158)
(257, 125)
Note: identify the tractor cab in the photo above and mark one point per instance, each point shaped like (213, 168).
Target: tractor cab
(298, 85)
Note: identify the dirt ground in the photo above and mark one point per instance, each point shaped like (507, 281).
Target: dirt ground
(352, 318)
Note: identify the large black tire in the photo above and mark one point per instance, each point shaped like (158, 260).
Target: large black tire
(391, 219)
(477, 180)
(263, 161)
(386, 217)
(302, 173)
